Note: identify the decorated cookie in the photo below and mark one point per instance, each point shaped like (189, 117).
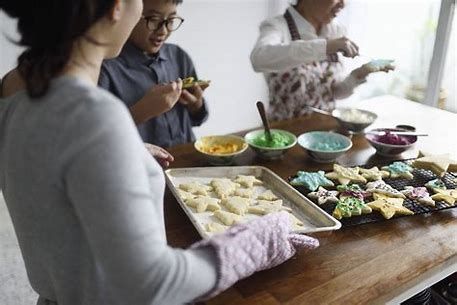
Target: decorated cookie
(380, 187)
(448, 196)
(227, 218)
(399, 170)
(345, 175)
(436, 184)
(202, 204)
(224, 187)
(215, 227)
(323, 196)
(419, 194)
(268, 195)
(264, 209)
(246, 193)
(437, 164)
(311, 180)
(389, 206)
(350, 206)
(237, 205)
(247, 181)
(185, 195)
(352, 190)
(274, 202)
(195, 188)
(374, 173)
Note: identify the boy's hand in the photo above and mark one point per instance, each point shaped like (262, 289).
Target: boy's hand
(159, 99)
(192, 98)
(161, 155)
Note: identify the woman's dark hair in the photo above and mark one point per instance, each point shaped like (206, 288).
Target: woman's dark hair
(48, 30)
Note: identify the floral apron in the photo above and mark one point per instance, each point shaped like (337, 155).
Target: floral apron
(308, 84)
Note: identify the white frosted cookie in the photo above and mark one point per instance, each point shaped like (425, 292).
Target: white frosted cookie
(420, 194)
(380, 187)
(374, 173)
(268, 195)
(224, 187)
(323, 196)
(345, 175)
(227, 218)
(195, 188)
(248, 181)
(214, 227)
(246, 193)
(237, 205)
(202, 204)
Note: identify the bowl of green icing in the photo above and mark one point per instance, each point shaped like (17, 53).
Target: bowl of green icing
(270, 149)
(324, 146)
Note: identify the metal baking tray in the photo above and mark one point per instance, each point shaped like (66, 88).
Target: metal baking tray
(313, 217)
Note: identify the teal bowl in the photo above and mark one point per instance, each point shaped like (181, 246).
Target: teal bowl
(324, 146)
(270, 153)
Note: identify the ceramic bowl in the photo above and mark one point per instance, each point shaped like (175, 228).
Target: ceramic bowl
(390, 150)
(210, 147)
(270, 153)
(324, 146)
(354, 120)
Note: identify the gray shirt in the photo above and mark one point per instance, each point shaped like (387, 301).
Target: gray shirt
(86, 201)
(133, 73)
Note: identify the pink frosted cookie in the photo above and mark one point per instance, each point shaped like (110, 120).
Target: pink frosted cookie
(420, 194)
(323, 196)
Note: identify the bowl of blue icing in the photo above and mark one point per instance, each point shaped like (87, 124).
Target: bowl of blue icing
(324, 146)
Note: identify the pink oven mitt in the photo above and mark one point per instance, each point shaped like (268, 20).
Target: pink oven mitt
(253, 246)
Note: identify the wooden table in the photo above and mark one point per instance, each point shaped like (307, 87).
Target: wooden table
(376, 263)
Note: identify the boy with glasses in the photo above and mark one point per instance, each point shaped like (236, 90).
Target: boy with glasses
(147, 78)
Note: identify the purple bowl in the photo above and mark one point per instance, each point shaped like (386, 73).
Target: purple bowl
(402, 143)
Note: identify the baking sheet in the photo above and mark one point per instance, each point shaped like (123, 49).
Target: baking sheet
(312, 216)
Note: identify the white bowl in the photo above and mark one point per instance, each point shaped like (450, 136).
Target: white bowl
(324, 146)
(354, 120)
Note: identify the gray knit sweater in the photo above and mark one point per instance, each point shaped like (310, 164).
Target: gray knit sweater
(86, 200)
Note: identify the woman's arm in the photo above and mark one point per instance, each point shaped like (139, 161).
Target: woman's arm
(119, 207)
(272, 54)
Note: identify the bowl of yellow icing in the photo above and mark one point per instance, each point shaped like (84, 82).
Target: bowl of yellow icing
(221, 150)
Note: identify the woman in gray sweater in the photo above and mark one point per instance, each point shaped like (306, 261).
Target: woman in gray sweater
(84, 195)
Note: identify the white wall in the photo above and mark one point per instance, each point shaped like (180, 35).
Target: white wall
(219, 35)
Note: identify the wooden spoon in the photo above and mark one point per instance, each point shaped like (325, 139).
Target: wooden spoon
(266, 124)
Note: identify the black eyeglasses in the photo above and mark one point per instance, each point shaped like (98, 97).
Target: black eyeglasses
(155, 23)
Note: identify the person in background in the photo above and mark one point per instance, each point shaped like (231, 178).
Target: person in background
(298, 54)
(144, 78)
(84, 195)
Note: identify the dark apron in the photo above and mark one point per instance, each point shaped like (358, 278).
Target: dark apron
(308, 84)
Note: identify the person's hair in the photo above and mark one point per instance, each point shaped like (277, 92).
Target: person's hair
(48, 30)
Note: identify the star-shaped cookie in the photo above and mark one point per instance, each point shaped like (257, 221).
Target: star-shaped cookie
(248, 181)
(352, 190)
(350, 206)
(311, 180)
(237, 205)
(449, 196)
(323, 196)
(202, 204)
(268, 195)
(195, 188)
(224, 187)
(388, 206)
(374, 173)
(345, 175)
(436, 184)
(399, 170)
(420, 194)
(439, 164)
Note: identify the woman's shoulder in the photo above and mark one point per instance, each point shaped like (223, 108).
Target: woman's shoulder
(11, 84)
(278, 22)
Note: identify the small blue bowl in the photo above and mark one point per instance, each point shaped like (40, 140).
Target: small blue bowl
(324, 146)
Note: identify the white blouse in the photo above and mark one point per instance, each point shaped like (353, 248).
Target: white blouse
(275, 51)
